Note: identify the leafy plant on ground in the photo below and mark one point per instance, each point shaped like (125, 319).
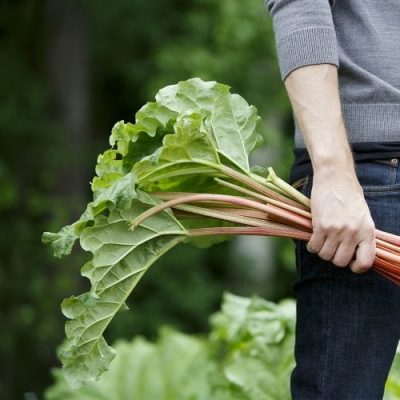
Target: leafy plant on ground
(392, 391)
(248, 355)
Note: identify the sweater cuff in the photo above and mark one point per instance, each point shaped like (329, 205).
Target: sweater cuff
(308, 46)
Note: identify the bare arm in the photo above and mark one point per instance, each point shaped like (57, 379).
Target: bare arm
(342, 223)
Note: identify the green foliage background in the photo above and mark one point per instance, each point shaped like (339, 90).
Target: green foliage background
(69, 70)
(248, 355)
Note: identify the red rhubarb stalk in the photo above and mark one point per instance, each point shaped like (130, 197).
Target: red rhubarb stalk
(240, 201)
(260, 187)
(273, 230)
(207, 212)
(388, 237)
(264, 198)
(289, 217)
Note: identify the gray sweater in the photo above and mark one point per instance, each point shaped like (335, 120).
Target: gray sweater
(361, 37)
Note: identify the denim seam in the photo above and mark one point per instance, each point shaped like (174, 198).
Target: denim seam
(381, 189)
(303, 187)
(393, 176)
(301, 184)
(328, 331)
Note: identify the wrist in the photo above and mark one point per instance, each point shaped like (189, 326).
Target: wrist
(333, 160)
(335, 169)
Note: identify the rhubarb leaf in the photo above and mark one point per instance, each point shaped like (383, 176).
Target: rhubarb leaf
(186, 153)
(180, 142)
(112, 187)
(191, 129)
(230, 122)
(62, 241)
(120, 258)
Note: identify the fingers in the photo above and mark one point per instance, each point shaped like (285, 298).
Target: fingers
(341, 251)
(344, 254)
(316, 242)
(328, 249)
(330, 246)
(365, 256)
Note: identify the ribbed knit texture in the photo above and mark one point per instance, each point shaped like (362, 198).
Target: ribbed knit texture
(362, 38)
(308, 46)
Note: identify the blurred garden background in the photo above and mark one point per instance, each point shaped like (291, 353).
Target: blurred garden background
(69, 70)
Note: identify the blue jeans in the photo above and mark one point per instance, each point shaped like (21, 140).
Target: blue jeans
(348, 325)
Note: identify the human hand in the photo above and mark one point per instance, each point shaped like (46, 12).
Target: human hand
(342, 223)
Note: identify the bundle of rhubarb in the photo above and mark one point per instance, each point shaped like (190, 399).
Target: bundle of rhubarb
(180, 173)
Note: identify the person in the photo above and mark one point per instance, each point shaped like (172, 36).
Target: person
(340, 63)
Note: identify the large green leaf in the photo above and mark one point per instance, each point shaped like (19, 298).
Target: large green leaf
(227, 120)
(230, 122)
(153, 121)
(120, 258)
(191, 129)
(186, 153)
(178, 137)
(211, 123)
(179, 142)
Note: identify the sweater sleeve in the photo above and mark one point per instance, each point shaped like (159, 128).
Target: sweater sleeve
(304, 33)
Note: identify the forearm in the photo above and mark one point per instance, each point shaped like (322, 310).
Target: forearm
(342, 224)
(314, 94)
(308, 58)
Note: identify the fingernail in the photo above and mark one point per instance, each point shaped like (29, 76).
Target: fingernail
(310, 249)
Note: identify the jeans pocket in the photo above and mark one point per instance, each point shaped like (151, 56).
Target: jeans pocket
(303, 185)
(378, 177)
